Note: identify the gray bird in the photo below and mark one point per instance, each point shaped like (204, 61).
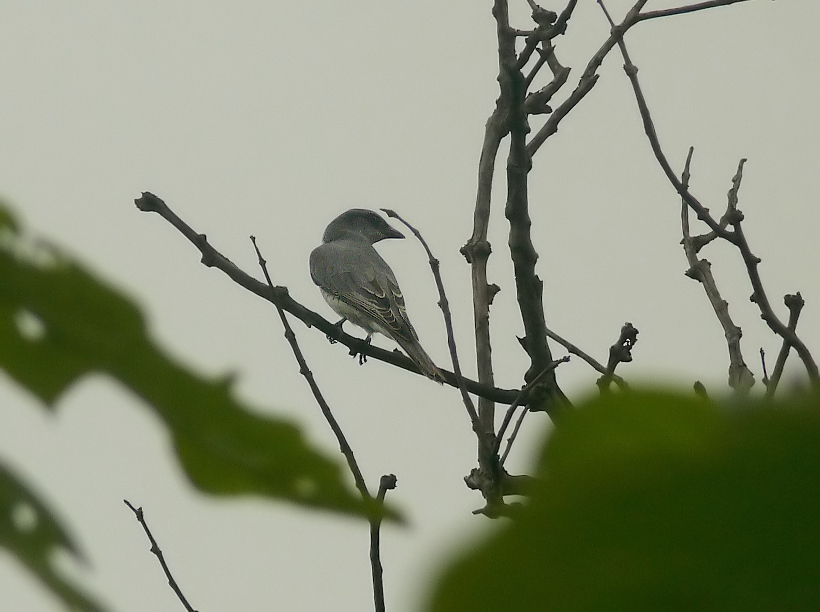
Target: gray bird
(359, 285)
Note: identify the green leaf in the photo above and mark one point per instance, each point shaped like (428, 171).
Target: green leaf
(7, 220)
(652, 501)
(32, 534)
(59, 323)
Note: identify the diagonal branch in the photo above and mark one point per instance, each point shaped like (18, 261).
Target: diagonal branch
(386, 482)
(741, 378)
(681, 10)
(597, 365)
(305, 371)
(140, 516)
(448, 323)
(795, 304)
(585, 84)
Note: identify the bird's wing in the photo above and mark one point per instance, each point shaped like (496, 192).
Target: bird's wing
(355, 273)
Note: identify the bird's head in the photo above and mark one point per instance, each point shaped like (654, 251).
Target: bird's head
(360, 223)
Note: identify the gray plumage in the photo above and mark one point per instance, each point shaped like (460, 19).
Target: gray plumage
(359, 285)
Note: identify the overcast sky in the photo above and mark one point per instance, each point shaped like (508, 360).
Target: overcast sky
(270, 119)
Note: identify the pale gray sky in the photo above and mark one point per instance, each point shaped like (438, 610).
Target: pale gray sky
(271, 118)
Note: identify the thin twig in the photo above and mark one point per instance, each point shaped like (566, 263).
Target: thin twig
(514, 434)
(536, 102)
(344, 446)
(574, 350)
(444, 304)
(279, 296)
(386, 482)
(156, 550)
(305, 371)
(795, 304)
(691, 8)
(522, 398)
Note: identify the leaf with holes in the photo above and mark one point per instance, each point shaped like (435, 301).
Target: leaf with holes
(32, 534)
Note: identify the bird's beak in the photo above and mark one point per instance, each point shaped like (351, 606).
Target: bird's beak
(394, 233)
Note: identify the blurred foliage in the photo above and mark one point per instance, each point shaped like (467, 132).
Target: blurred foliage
(653, 501)
(59, 323)
(31, 532)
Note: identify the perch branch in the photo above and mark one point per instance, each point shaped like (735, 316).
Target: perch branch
(279, 296)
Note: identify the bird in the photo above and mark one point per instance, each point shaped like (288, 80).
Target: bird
(359, 285)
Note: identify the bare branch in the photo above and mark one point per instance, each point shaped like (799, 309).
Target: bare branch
(574, 350)
(524, 393)
(140, 515)
(514, 434)
(305, 371)
(536, 103)
(619, 352)
(522, 398)
(528, 286)
(795, 304)
(386, 482)
(585, 84)
(741, 378)
(691, 8)
(477, 251)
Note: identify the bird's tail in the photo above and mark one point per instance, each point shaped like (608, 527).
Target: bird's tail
(422, 360)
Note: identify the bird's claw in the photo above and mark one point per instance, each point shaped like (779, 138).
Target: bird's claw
(362, 356)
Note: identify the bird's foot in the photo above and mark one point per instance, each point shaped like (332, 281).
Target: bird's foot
(362, 356)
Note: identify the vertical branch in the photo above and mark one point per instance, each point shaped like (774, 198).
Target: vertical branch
(388, 481)
(477, 252)
(528, 286)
